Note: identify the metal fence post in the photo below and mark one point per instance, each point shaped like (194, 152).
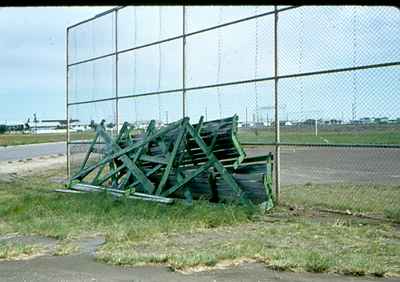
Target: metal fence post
(277, 132)
(116, 72)
(67, 106)
(184, 60)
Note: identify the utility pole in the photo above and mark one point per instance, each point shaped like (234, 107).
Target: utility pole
(246, 119)
(316, 127)
(35, 121)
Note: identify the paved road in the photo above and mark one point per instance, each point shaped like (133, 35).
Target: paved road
(12, 153)
(299, 165)
(84, 268)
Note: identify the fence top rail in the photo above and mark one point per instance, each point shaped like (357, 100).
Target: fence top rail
(95, 17)
(166, 39)
(125, 6)
(237, 82)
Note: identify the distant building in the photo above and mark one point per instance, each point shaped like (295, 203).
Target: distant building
(366, 120)
(331, 122)
(51, 126)
(309, 122)
(382, 120)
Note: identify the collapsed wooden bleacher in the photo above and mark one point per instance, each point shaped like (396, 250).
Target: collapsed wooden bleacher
(180, 160)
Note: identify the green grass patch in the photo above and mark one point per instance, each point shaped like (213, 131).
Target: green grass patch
(28, 207)
(367, 136)
(294, 246)
(339, 135)
(66, 248)
(361, 198)
(392, 213)
(23, 139)
(204, 234)
(9, 251)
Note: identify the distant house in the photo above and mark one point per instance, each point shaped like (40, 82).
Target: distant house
(309, 121)
(50, 126)
(366, 120)
(79, 127)
(332, 122)
(382, 120)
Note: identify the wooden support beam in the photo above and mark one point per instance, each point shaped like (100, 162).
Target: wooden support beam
(132, 167)
(171, 158)
(218, 166)
(89, 151)
(81, 174)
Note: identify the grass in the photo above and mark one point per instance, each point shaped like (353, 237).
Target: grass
(202, 235)
(368, 136)
(392, 213)
(376, 135)
(22, 139)
(368, 199)
(15, 250)
(29, 208)
(66, 248)
(288, 245)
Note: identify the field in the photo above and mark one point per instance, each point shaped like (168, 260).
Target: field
(373, 200)
(22, 139)
(384, 135)
(203, 235)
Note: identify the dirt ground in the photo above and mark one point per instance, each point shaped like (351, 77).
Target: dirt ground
(9, 170)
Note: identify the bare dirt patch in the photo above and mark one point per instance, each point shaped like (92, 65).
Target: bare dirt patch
(10, 170)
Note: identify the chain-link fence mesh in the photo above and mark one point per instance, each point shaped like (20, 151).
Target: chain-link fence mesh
(335, 90)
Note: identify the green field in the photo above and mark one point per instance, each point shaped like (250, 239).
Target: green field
(201, 235)
(22, 139)
(376, 200)
(389, 136)
(384, 135)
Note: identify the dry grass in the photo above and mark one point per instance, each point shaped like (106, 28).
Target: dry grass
(201, 235)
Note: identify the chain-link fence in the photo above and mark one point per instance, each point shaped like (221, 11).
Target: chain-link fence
(316, 85)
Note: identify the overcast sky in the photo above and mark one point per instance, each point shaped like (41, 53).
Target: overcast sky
(32, 59)
(32, 62)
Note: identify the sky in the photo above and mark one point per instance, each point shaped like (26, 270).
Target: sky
(32, 59)
(32, 62)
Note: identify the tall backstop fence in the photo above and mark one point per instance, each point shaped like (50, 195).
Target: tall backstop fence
(316, 85)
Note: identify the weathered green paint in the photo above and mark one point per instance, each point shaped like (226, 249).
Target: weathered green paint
(171, 157)
(151, 160)
(89, 151)
(124, 151)
(107, 176)
(132, 167)
(236, 143)
(218, 166)
(268, 183)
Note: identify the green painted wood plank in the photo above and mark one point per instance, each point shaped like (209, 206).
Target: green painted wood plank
(171, 158)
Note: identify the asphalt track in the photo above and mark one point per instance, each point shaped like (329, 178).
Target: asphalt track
(19, 152)
(299, 165)
(85, 268)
